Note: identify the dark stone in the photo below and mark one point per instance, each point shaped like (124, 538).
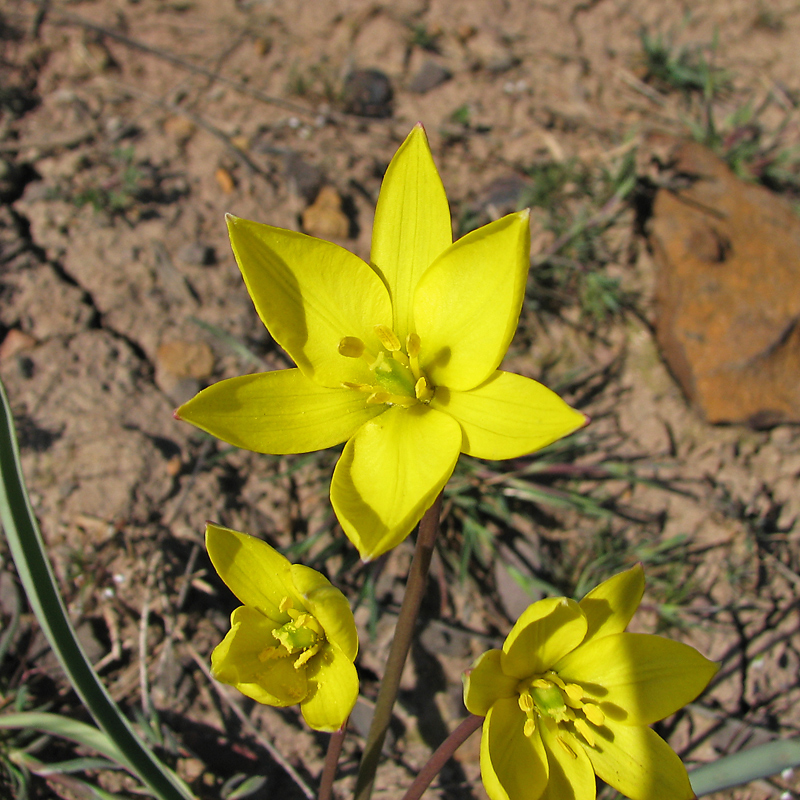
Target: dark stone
(368, 93)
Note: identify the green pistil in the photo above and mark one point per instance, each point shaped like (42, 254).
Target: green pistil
(302, 636)
(547, 696)
(295, 638)
(549, 701)
(398, 377)
(392, 376)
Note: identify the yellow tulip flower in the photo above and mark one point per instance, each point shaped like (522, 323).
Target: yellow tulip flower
(293, 640)
(570, 695)
(399, 358)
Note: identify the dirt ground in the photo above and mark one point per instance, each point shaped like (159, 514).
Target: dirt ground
(128, 128)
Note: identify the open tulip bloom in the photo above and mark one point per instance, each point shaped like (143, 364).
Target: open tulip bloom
(399, 358)
(293, 640)
(571, 695)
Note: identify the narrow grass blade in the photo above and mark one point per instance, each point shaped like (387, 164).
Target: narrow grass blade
(27, 549)
(64, 785)
(745, 766)
(76, 765)
(65, 728)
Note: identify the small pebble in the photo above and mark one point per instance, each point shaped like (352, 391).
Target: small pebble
(368, 93)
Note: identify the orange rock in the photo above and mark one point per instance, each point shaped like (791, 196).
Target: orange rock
(728, 292)
(324, 217)
(15, 342)
(186, 359)
(179, 128)
(225, 180)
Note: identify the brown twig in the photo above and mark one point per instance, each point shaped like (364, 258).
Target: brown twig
(403, 633)
(74, 19)
(331, 762)
(442, 755)
(193, 118)
(53, 143)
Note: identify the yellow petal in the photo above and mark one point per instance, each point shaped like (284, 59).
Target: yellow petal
(486, 682)
(311, 294)
(638, 763)
(513, 766)
(508, 415)
(544, 633)
(332, 689)
(235, 661)
(278, 412)
(329, 607)
(638, 678)
(412, 224)
(571, 773)
(256, 573)
(467, 304)
(390, 473)
(610, 606)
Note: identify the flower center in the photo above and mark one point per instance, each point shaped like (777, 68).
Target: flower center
(561, 706)
(300, 637)
(397, 377)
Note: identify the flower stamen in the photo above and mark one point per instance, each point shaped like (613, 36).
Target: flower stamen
(560, 705)
(388, 338)
(594, 714)
(399, 380)
(351, 347)
(582, 726)
(423, 390)
(413, 346)
(563, 742)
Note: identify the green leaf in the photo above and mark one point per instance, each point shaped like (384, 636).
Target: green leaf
(28, 551)
(745, 766)
(75, 731)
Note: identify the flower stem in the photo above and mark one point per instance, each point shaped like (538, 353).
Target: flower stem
(442, 755)
(404, 630)
(331, 762)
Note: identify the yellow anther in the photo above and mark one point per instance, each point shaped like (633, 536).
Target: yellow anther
(423, 390)
(306, 656)
(402, 400)
(399, 355)
(530, 727)
(285, 604)
(413, 348)
(553, 678)
(574, 693)
(525, 702)
(594, 714)
(269, 653)
(566, 746)
(378, 397)
(351, 347)
(387, 337)
(541, 683)
(359, 387)
(584, 730)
